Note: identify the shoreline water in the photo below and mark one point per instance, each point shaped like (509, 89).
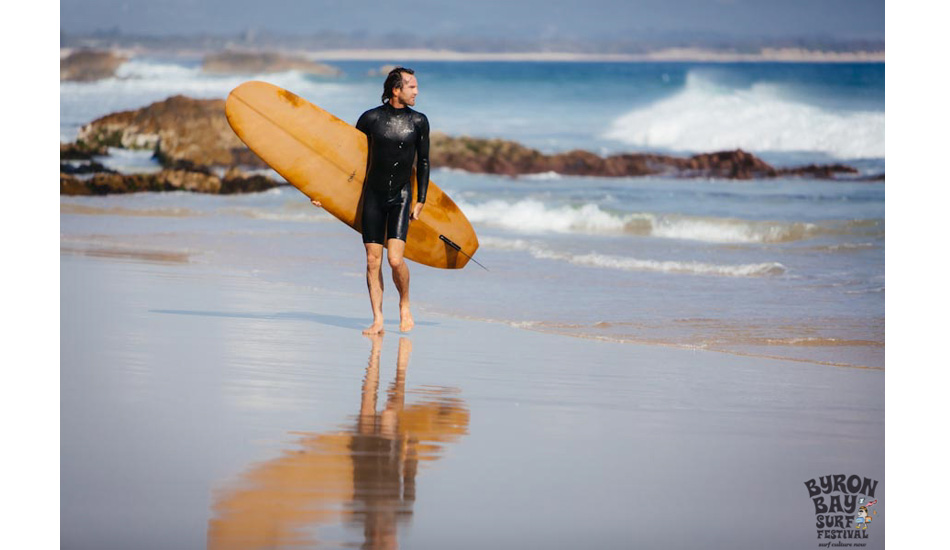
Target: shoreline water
(125, 252)
(636, 270)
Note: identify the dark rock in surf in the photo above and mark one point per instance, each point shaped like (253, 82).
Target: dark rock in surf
(495, 156)
(80, 151)
(89, 65)
(166, 180)
(821, 171)
(235, 181)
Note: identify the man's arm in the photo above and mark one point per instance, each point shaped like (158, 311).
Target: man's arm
(422, 164)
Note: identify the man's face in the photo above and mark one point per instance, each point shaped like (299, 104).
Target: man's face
(410, 89)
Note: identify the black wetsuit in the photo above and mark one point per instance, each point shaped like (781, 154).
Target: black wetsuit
(396, 137)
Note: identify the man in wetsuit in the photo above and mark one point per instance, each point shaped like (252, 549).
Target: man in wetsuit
(397, 137)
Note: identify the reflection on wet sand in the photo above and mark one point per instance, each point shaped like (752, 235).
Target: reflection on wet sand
(364, 475)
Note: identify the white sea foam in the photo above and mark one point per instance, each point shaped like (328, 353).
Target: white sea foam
(128, 161)
(177, 76)
(543, 176)
(691, 268)
(732, 231)
(499, 243)
(533, 216)
(627, 263)
(175, 79)
(138, 69)
(302, 215)
(706, 117)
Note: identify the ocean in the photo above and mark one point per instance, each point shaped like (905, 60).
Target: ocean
(790, 268)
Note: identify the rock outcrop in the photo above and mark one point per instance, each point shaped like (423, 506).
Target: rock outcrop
(89, 66)
(257, 63)
(183, 132)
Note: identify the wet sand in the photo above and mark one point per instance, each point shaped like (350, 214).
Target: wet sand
(202, 407)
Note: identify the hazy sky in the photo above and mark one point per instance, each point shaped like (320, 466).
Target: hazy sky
(843, 19)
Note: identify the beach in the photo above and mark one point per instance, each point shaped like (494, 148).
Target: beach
(206, 404)
(651, 361)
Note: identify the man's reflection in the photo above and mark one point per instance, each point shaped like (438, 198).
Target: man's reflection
(384, 459)
(363, 476)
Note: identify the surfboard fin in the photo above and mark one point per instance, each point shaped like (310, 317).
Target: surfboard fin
(449, 242)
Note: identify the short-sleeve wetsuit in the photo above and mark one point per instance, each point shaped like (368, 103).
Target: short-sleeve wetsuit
(396, 137)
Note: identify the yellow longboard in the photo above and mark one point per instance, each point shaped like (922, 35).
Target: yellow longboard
(325, 158)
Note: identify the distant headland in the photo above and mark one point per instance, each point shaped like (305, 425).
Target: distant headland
(334, 46)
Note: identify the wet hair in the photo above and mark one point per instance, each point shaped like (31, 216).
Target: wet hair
(394, 80)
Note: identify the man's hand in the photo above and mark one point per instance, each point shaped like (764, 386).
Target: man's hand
(316, 203)
(416, 211)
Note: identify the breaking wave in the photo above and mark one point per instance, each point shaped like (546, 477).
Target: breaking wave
(533, 216)
(142, 81)
(626, 263)
(705, 116)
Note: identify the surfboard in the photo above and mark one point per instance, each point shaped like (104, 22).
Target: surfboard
(325, 158)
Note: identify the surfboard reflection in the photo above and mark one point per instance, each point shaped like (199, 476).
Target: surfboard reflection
(363, 476)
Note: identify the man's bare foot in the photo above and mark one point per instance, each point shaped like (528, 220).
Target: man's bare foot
(405, 320)
(316, 203)
(375, 328)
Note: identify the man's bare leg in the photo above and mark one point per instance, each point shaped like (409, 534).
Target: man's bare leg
(374, 282)
(367, 419)
(395, 249)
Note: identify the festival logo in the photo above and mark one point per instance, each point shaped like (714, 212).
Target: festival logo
(844, 509)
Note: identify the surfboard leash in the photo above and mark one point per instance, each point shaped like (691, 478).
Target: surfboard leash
(449, 242)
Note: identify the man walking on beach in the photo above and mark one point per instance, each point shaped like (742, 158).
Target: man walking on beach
(397, 137)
